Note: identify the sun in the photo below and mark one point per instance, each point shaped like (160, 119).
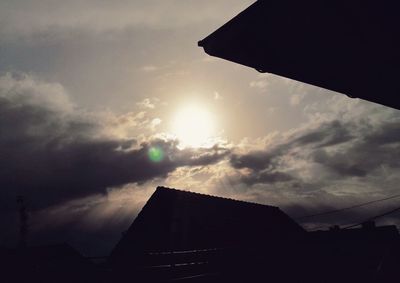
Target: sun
(193, 126)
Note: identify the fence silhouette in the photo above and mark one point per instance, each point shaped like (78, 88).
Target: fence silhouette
(236, 264)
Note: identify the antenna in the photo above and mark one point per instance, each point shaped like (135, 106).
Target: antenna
(23, 221)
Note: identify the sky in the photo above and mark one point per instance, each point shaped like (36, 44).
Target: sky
(91, 90)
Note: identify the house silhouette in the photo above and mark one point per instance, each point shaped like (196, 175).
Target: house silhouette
(46, 263)
(181, 236)
(178, 228)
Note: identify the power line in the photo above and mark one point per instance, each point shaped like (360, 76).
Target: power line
(346, 208)
(397, 209)
(374, 217)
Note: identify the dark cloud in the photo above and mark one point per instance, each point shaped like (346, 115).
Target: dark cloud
(388, 133)
(327, 134)
(256, 160)
(266, 177)
(52, 153)
(340, 163)
(374, 148)
(341, 149)
(346, 156)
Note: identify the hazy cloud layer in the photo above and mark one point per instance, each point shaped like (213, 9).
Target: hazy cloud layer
(46, 16)
(342, 146)
(129, 66)
(347, 153)
(88, 171)
(54, 152)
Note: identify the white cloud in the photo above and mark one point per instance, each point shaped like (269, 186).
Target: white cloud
(149, 68)
(217, 95)
(147, 103)
(29, 90)
(261, 84)
(155, 123)
(296, 99)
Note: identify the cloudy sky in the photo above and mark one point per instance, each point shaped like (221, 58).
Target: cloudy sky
(88, 89)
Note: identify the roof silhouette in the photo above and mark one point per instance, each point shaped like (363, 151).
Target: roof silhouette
(348, 46)
(181, 220)
(181, 235)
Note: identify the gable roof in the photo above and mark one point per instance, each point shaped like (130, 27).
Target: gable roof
(348, 46)
(181, 220)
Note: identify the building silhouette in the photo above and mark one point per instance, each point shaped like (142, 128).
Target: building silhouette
(185, 227)
(45, 264)
(181, 236)
(366, 254)
(186, 236)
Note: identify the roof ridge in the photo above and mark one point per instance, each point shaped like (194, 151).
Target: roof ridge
(213, 196)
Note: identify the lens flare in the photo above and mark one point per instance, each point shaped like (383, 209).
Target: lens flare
(156, 154)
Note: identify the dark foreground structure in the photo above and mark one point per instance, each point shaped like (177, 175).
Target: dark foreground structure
(181, 236)
(348, 46)
(50, 263)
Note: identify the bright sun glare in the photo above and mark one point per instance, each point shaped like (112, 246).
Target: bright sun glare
(193, 126)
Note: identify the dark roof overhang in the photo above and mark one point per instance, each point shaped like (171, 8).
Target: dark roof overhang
(348, 46)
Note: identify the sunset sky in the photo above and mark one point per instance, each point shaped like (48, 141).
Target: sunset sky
(102, 101)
